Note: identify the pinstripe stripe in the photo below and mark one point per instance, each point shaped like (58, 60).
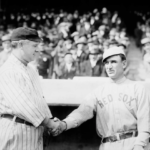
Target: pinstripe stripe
(28, 137)
(19, 138)
(21, 94)
(24, 138)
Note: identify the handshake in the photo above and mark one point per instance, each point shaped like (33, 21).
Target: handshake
(56, 126)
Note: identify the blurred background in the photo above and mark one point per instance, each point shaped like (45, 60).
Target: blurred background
(75, 34)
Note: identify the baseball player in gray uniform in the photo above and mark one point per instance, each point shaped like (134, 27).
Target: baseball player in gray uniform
(121, 107)
(23, 109)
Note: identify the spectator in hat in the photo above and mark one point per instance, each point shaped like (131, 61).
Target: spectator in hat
(138, 34)
(45, 63)
(94, 65)
(6, 45)
(24, 111)
(81, 54)
(80, 44)
(113, 42)
(67, 69)
(67, 45)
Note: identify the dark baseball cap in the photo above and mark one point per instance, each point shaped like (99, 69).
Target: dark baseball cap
(25, 33)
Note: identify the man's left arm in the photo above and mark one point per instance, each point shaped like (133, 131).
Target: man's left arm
(143, 117)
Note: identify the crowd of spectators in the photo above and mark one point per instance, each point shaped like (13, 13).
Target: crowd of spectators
(73, 43)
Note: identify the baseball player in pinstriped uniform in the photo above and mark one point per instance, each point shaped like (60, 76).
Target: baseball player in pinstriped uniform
(121, 107)
(23, 109)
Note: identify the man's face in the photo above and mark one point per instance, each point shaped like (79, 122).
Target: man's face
(68, 59)
(93, 56)
(74, 53)
(80, 46)
(68, 44)
(115, 67)
(31, 50)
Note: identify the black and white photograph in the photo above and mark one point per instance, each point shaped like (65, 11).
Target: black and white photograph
(74, 75)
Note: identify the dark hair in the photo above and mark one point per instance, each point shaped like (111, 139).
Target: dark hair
(122, 57)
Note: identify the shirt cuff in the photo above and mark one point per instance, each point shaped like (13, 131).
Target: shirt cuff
(71, 123)
(40, 120)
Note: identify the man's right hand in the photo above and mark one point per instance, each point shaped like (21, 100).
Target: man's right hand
(62, 127)
(54, 126)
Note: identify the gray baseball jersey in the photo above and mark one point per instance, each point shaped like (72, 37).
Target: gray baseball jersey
(120, 106)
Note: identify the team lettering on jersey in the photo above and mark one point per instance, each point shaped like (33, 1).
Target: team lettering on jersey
(128, 99)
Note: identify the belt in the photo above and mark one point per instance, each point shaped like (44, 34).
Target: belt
(18, 120)
(120, 136)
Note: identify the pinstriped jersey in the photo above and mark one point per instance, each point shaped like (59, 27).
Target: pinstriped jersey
(21, 93)
(119, 107)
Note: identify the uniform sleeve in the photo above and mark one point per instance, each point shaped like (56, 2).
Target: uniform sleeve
(83, 113)
(143, 115)
(13, 87)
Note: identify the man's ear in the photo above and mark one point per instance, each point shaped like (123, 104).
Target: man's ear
(20, 44)
(124, 63)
